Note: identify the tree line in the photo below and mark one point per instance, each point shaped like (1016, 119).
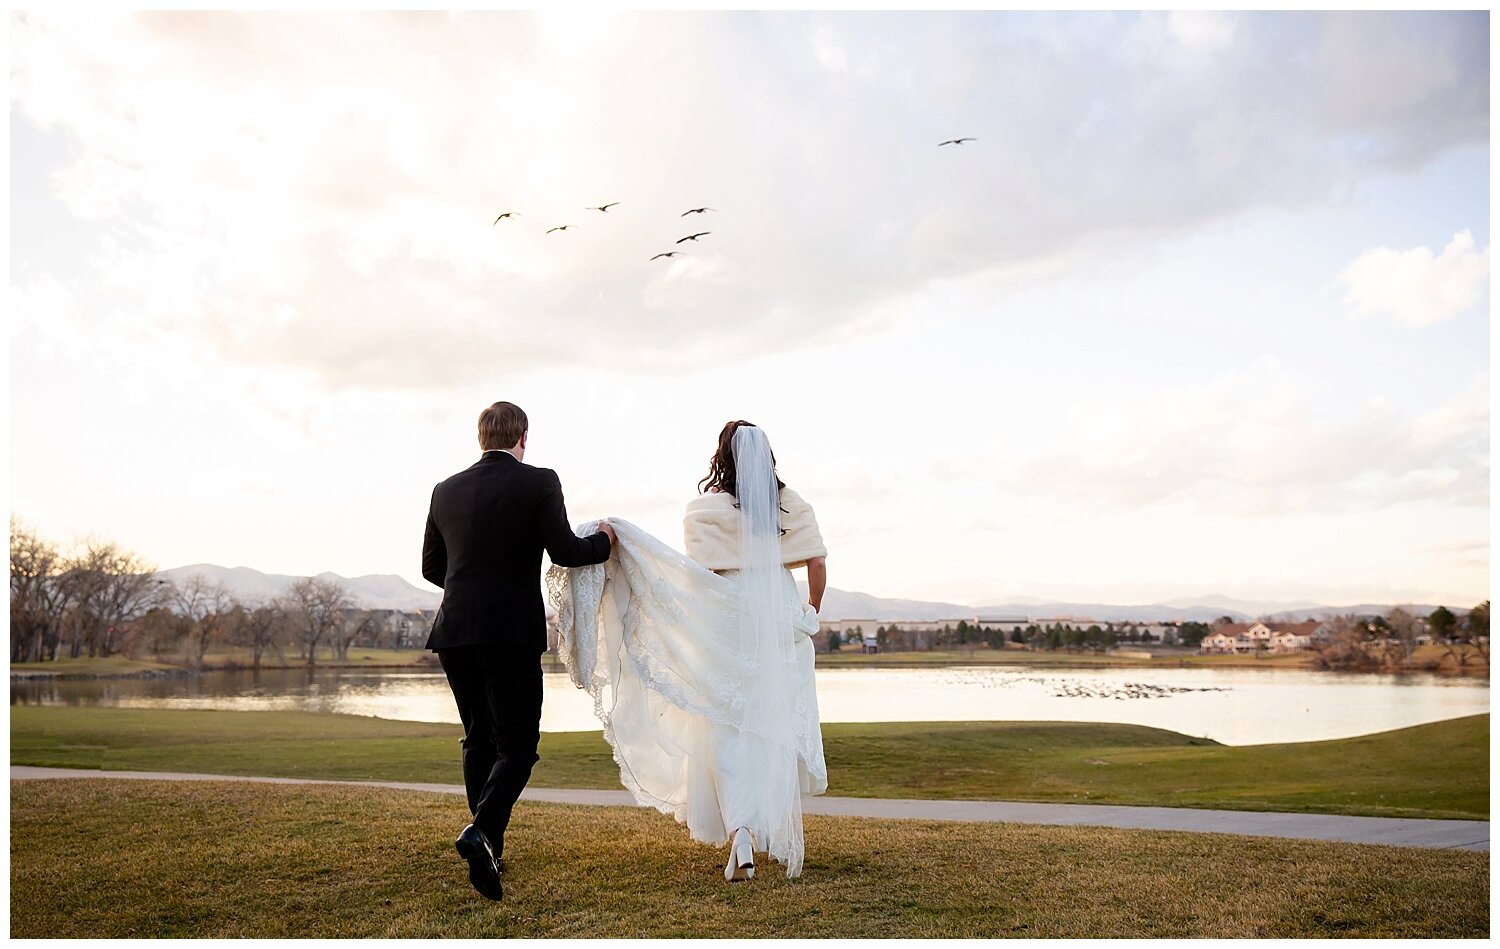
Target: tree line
(964, 634)
(1389, 641)
(1386, 640)
(101, 600)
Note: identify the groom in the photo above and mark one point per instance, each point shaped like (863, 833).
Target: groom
(486, 530)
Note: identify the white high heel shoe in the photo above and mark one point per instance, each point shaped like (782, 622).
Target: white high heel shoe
(741, 865)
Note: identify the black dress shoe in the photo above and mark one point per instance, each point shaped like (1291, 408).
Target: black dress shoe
(474, 847)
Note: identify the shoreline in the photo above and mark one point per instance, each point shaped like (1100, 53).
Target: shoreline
(1468, 673)
(896, 661)
(33, 675)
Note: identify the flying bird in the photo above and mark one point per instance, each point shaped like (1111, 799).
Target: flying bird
(603, 207)
(503, 217)
(670, 253)
(694, 211)
(693, 237)
(956, 141)
(563, 228)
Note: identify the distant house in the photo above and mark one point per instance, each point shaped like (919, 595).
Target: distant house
(926, 625)
(397, 629)
(1161, 632)
(1223, 641)
(849, 627)
(1294, 637)
(1258, 636)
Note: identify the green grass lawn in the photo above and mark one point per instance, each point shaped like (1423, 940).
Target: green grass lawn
(90, 666)
(1436, 770)
(113, 859)
(221, 656)
(1269, 660)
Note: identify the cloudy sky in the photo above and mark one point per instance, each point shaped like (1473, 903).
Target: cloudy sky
(1203, 309)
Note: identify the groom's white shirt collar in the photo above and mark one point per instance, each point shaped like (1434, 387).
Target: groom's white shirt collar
(506, 450)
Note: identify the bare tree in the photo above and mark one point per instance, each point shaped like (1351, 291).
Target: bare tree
(128, 590)
(89, 598)
(354, 624)
(103, 586)
(262, 626)
(1403, 632)
(162, 632)
(75, 597)
(81, 584)
(35, 596)
(206, 604)
(317, 606)
(1345, 647)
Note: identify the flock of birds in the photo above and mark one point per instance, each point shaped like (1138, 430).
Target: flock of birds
(1069, 688)
(604, 209)
(667, 254)
(1124, 690)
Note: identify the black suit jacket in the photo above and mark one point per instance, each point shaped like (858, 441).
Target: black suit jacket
(486, 529)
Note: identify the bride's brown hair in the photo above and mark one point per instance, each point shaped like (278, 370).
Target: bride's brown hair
(721, 464)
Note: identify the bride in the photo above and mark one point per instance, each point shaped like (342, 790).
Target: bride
(701, 666)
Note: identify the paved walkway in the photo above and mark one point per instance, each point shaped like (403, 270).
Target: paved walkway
(1395, 831)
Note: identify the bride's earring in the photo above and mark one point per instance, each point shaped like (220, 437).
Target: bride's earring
(741, 865)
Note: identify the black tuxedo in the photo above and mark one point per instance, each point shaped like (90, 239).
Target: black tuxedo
(486, 529)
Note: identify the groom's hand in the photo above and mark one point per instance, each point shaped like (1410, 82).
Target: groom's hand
(607, 531)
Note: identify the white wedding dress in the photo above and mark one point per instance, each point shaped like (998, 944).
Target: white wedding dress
(702, 681)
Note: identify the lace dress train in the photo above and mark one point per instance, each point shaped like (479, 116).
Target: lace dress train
(699, 731)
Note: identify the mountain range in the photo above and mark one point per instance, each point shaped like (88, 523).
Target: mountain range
(381, 591)
(839, 604)
(389, 591)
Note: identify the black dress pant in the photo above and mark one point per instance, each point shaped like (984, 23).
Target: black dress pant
(499, 694)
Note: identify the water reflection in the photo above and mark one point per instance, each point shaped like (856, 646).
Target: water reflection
(1234, 706)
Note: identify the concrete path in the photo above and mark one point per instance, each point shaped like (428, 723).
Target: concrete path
(1394, 831)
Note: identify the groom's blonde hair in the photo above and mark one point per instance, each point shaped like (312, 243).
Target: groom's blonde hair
(501, 426)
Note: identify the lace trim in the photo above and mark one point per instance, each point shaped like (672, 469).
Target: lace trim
(670, 601)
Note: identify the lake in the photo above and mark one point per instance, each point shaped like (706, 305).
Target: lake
(1233, 706)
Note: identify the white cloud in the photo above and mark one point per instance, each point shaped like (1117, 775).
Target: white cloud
(830, 53)
(1409, 84)
(1202, 31)
(1465, 555)
(1244, 443)
(1416, 287)
(42, 304)
(1461, 546)
(346, 168)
